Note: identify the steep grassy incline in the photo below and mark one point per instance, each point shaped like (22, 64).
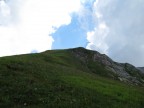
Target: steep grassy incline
(58, 79)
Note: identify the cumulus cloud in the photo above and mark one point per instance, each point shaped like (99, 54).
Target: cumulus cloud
(119, 32)
(27, 25)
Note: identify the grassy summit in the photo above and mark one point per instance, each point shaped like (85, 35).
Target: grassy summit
(63, 79)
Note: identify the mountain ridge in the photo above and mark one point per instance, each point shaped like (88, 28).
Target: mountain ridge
(75, 78)
(124, 71)
(141, 69)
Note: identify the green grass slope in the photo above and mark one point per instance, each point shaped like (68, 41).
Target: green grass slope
(57, 79)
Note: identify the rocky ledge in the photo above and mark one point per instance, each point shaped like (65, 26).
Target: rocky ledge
(123, 71)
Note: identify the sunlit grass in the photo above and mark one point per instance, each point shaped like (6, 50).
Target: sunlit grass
(56, 79)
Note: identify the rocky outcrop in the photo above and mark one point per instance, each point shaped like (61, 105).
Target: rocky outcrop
(123, 71)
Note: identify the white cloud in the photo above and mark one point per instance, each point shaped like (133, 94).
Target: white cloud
(4, 13)
(121, 35)
(26, 25)
(97, 38)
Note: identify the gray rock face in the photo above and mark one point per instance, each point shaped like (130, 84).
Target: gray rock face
(125, 72)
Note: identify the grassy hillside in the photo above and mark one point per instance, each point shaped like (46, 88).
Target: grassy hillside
(57, 79)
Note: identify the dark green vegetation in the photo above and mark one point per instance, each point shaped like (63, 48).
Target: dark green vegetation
(58, 79)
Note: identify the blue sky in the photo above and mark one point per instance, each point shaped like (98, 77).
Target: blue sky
(70, 36)
(113, 27)
(74, 34)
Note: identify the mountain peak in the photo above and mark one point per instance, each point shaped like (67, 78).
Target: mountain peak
(76, 77)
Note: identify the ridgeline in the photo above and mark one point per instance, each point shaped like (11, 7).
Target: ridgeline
(72, 78)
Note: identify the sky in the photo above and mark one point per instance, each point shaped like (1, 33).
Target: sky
(112, 27)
